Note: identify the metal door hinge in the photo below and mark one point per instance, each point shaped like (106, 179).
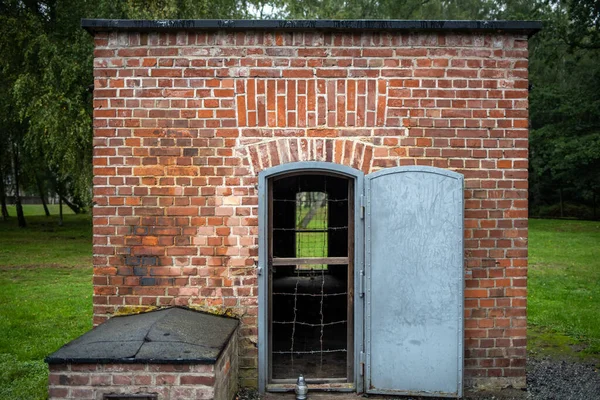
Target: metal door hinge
(259, 268)
(362, 206)
(361, 361)
(361, 284)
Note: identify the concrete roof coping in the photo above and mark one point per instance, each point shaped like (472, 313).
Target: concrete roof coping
(104, 25)
(173, 335)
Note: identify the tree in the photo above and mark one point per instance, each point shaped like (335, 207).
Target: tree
(5, 147)
(46, 75)
(584, 32)
(389, 9)
(12, 127)
(565, 108)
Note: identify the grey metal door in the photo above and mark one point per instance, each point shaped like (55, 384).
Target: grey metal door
(414, 282)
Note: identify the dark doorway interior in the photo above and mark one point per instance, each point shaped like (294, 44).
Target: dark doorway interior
(311, 270)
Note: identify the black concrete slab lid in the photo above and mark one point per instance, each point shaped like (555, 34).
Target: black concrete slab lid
(174, 335)
(100, 25)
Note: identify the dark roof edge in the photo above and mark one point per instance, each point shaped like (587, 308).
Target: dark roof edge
(92, 360)
(160, 308)
(104, 25)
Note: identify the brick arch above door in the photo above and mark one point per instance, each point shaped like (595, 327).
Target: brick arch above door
(353, 153)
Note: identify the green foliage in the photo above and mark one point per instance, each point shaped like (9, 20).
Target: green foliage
(565, 109)
(573, 210)
(585, 29)
(564, 295)
(410, 9)
(46, 84)
(46, 71)
(52, 96)
(164, 9)
(424, 9)
(169, 9)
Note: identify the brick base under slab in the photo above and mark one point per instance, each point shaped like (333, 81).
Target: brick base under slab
(166, 381)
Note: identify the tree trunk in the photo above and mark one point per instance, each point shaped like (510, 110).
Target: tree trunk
(60, 213)
(59, 189)
(42, 195)
(72, 206)
(16, 166)
(314, 209)
(3, 196)
(562, 215)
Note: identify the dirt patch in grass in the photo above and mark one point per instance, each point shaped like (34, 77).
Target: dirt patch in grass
(548, 344)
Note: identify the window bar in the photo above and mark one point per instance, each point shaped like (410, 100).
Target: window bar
(295, 318)
(300, 201)
(322, 316)
(304, 230)
(312, 351)
(285, 261)
(311, 294)
(309, 324)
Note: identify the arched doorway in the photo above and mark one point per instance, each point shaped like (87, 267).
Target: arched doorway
(309, 273)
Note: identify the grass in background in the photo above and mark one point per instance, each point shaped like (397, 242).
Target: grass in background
(312, 244)
(41, 309)
(564, 288)
(45, 295)
(38, 209)
(43, 242)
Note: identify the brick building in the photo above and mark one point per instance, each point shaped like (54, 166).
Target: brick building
(215, 140)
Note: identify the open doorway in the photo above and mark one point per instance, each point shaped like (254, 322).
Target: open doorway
(311, 278)
(361, 279)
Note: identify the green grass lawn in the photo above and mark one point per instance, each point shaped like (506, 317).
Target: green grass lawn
(45, 295)
(564, 288)
(312, 244)
(43, 242)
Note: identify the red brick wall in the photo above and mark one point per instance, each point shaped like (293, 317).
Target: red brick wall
(184, 122)
(92, 381)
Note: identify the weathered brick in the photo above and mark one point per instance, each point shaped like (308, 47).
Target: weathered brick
(197, 380)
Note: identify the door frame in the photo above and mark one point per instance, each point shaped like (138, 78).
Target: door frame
(264, 179)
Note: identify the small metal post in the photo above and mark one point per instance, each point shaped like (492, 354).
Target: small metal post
(301, 388)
